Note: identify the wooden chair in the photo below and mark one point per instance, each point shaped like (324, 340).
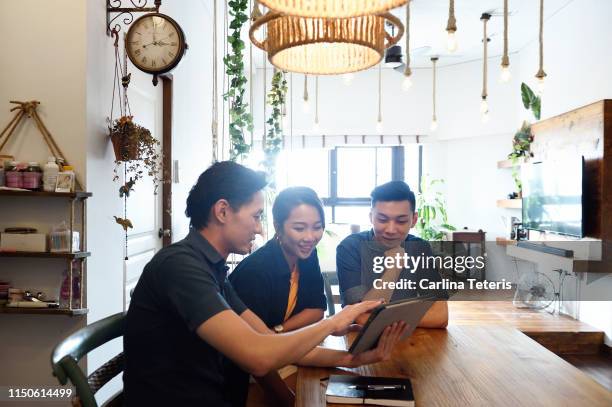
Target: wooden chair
(470, 243)
(66, 355)
(330, 280)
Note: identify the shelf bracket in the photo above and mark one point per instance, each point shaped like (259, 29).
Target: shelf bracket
(115, 7)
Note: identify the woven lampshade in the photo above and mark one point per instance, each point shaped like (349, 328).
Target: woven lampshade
(331, 8)
(325, 46)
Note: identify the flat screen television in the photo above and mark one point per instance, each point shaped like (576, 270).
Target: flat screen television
(552, 195)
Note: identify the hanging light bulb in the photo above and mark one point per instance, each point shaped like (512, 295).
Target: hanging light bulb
(451, 43)
(540, 85)
(434, 125)
(505, 74)
(306, 106)
(379, 127)
(316, 127)
(347, 78)
(434, 120)
(407, 83)
(484, 106)
(451, 28)
(484, 118)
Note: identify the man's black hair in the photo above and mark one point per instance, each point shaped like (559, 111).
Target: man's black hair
(222, 180)
(290, 198)
(393, 191)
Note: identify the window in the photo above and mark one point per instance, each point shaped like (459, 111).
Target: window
(343, 177)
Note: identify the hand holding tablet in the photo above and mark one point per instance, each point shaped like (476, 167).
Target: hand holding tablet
(409, 311)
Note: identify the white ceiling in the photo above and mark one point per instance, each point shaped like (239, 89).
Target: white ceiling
(428, 23)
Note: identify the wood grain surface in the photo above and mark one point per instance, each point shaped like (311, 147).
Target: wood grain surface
(472, 365)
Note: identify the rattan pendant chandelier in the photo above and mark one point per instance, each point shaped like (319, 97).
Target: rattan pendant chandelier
(325, 46)
(331, 8)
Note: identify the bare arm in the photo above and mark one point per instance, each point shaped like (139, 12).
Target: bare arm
(320, 356)
(436, 316)
(305, 317)
(259, 353)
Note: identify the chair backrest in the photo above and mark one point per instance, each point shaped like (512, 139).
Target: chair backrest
(67, 354)
(330, 280)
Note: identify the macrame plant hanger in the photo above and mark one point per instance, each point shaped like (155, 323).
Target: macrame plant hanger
(121, 82)
(28, 110)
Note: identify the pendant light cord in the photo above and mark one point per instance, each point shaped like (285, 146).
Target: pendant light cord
(505, 59)
(379, 92)
(317, 99)
(541, 73)
(408, 71)
(451, 25)
(434, 60)
(485, 40)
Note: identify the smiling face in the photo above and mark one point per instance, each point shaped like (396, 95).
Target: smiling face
(301, 232)
(392, 221)
(243, 224)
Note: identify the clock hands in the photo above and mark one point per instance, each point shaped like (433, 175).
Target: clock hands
(160, 42)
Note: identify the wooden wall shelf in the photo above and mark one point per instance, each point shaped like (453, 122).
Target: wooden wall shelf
(510, 203)
(77, 195)
(44, 311)
(503, 241)
(46, 255)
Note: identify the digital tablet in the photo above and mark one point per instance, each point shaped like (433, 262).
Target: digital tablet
(411, 311)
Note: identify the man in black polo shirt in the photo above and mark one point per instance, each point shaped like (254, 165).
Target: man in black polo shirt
(392, 216)
(184, 316)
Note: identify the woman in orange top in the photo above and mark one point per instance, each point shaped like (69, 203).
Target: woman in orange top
(281, 282)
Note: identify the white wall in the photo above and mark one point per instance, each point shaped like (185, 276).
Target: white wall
(74, 83)
(463, 151)
(578, 62)
(43, 59)
(192, 114)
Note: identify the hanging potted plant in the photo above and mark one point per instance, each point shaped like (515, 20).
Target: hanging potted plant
(138, 150)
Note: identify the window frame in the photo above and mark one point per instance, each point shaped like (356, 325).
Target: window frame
(397, 174)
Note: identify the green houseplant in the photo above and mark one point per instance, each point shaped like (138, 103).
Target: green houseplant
(137, 149)
(274, 137)
(240, 119)
(521, 142)
(432, 221)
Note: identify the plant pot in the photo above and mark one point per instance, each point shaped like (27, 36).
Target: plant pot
(126, 148)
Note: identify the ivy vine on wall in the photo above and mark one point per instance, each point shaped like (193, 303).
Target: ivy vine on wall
(240, 120)
(274, 138)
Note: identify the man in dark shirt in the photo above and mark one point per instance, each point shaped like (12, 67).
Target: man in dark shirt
(185, 318)
(393, 214)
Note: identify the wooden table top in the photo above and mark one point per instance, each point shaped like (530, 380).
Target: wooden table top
(472, 365)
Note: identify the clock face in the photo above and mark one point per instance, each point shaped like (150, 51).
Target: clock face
(155, 43)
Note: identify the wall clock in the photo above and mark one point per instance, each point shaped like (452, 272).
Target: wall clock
(155, 44)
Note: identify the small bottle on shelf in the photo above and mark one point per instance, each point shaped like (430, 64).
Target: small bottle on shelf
(14, 175)
(32, 177)
(50, 175)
